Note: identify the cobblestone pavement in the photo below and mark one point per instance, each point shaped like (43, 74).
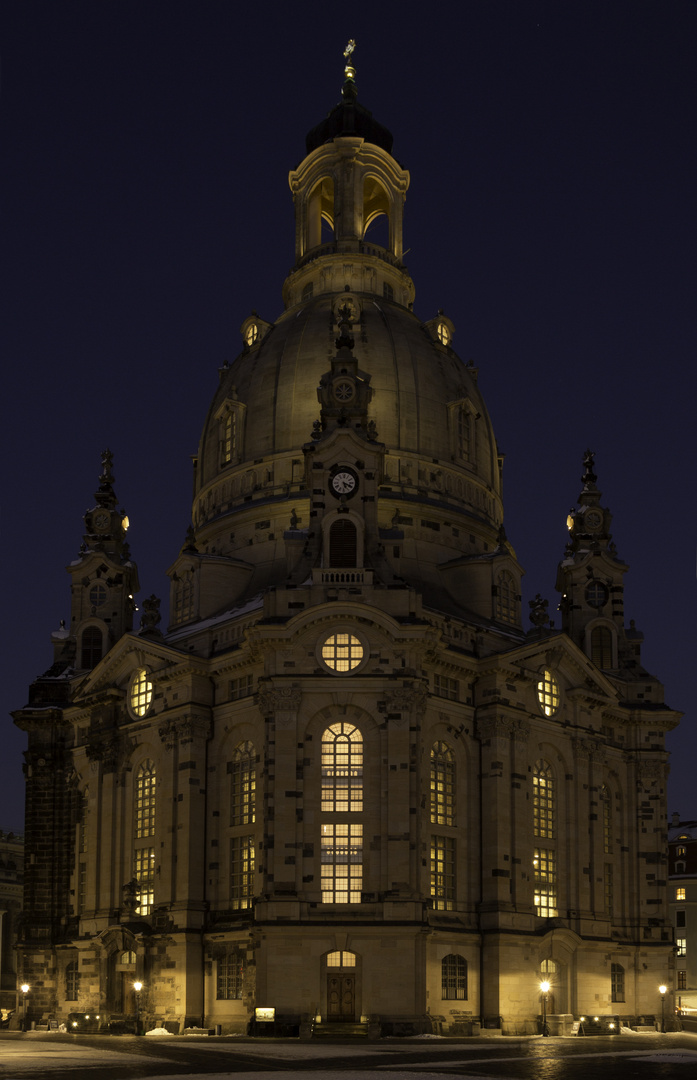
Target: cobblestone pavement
(645, 1057)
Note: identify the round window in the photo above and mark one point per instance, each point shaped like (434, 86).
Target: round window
(141, 693)
(548, 693)
(98, 595)
(596, 594)
(342, 653)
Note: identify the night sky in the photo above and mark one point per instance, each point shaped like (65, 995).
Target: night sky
(145, 211)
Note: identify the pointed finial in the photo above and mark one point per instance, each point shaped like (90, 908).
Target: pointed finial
(349, 88)
(105, 494)
(589, 476)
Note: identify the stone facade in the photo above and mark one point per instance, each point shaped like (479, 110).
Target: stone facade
(346, 782)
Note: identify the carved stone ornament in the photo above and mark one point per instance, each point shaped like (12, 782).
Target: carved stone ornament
(494, 727)
(648, 775)
(184, 730)
(285, 699)
(589, 748)
(109, 751)
(521, 730)
(407, 698)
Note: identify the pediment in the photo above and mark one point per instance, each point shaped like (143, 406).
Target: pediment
(129, 653)
(567, 662)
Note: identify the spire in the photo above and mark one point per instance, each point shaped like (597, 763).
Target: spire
(589, 526)
(349, 118)
(349, 90)
(105, 495)
(105, 524)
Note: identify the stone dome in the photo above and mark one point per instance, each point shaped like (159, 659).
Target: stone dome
(429, 513)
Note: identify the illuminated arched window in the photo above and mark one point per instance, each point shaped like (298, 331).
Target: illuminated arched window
(141, 692)
(91, 646)
(144, 853)
(506, 598)
(442, 784)
(601, 646)
(443, 332)
(243, 785)
(145, 800)
(454, 978)
(340, 959)
(548, 693)
(342, 769)
(543, 798)
(228, 449)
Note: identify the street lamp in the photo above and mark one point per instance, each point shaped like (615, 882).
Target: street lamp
(662, 991)
(544, 987)
(25, 990)
(137, 986)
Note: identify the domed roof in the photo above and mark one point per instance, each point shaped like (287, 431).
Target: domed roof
(418, 388)
(350, 382)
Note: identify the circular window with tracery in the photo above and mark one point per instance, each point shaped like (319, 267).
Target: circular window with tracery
(98, 595)
(342, 653)
(548, 693)
(443, 334)
(140, 697)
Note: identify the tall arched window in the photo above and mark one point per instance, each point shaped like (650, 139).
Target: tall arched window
(606, 811)
(145, 800)
(242, 770)
(543, 798)
(342, 769)
(544, 858)
(454, 977)
(341, 842)
(343, 543)
(144, 853)
(601, 647)
(506, 598)
(442, 784)
(230, 975)
(71, 981)
(91, 646)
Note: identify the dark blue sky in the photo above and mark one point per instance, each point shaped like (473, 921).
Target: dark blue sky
(145, 211)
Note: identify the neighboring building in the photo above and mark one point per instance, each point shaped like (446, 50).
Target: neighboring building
(347, 781)
(682, 895)
(11, 889)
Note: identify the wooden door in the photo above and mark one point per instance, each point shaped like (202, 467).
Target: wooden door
(341, 998)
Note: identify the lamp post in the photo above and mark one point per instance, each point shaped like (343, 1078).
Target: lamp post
(137, 986)
(662, 991)
(25, 990)
(544, 987)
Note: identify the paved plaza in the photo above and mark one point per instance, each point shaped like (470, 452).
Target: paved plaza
(130, 1058)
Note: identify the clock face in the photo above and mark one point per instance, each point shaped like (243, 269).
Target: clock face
(344, 482)
(101, 520)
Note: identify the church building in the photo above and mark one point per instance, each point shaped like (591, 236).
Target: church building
(349, 782)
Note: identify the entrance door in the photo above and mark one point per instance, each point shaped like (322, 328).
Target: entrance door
(341, 998)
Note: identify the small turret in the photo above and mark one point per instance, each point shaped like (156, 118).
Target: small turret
(104, 579)
(590, 576)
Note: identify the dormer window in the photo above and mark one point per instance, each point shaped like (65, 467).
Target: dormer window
(251, 334)
(443, 333)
